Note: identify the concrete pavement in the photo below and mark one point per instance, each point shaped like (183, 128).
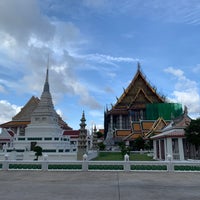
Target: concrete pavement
(32, 185)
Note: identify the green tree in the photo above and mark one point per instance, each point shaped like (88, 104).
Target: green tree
(38, 151)
(192, 133)
(124, 149)
(148, 145)
(139, 143)
(99, 134)
(101, 146)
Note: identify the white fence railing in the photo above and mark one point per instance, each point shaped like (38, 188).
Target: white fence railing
(85, 165)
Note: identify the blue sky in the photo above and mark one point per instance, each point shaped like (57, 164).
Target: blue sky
(94, 47)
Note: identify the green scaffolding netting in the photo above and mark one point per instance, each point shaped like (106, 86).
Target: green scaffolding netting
(167, 111)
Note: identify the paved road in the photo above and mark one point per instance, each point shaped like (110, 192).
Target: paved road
(38, 185)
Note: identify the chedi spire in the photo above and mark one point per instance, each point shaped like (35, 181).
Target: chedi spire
(46, 84)
(45, 107)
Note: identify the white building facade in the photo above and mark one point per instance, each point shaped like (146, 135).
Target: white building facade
(171, 142)
(43, 130)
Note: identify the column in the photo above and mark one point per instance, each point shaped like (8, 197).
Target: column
(120, 122)
(169, 147)
(160, 156)
(18, 129)
(154, 149)
(111, 122)
(180, 148)
(165, 148)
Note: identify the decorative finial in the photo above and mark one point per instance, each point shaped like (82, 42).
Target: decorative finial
(138, 65)
(83, 124)
(46, 85)
(185, 110)
(95, 128)
(47, 73)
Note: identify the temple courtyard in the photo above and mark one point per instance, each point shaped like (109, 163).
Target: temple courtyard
(113, 185)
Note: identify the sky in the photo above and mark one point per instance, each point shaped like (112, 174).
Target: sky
(94, 47)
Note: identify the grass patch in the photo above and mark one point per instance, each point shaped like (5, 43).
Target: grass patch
(117, 156)
(140, 157)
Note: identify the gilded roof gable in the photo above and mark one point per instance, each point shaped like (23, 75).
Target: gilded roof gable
(157, 127)
(138, 91)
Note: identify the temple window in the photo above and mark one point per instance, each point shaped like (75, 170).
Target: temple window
(49, 138)
(126, 122)
(21, 131)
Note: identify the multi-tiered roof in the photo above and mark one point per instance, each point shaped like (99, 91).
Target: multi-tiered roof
(137, 95)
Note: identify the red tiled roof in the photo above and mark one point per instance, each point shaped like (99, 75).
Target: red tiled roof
(4, 140)
(71, 133)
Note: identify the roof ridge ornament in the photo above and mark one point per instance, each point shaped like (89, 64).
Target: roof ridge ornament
(46, 84)
(139, 66)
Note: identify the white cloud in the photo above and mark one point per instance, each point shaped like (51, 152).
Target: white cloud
(184, 97)
(7, 111)
(176, 72)
(183, 83)
(100, 58)
(27, 37)
(2, 89)
(196, 69)
(186, 91)
(22, 18)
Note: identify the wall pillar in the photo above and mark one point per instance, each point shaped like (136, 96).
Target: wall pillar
(111, 122)
(165, 148)
(120, 122)
(169, 147)
(155, 149)
(18, 129)
(160, 156)
(180, 147)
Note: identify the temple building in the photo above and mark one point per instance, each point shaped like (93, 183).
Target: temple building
(138, 111)
(171, 142)
(38, 124)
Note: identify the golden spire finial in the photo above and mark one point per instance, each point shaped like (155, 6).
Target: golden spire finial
(139, 66)
(46, 85)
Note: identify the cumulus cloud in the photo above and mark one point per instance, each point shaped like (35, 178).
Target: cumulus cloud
(21, 19)
(186, 91)
(176, 72)
(28, 37)
(7, 111)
